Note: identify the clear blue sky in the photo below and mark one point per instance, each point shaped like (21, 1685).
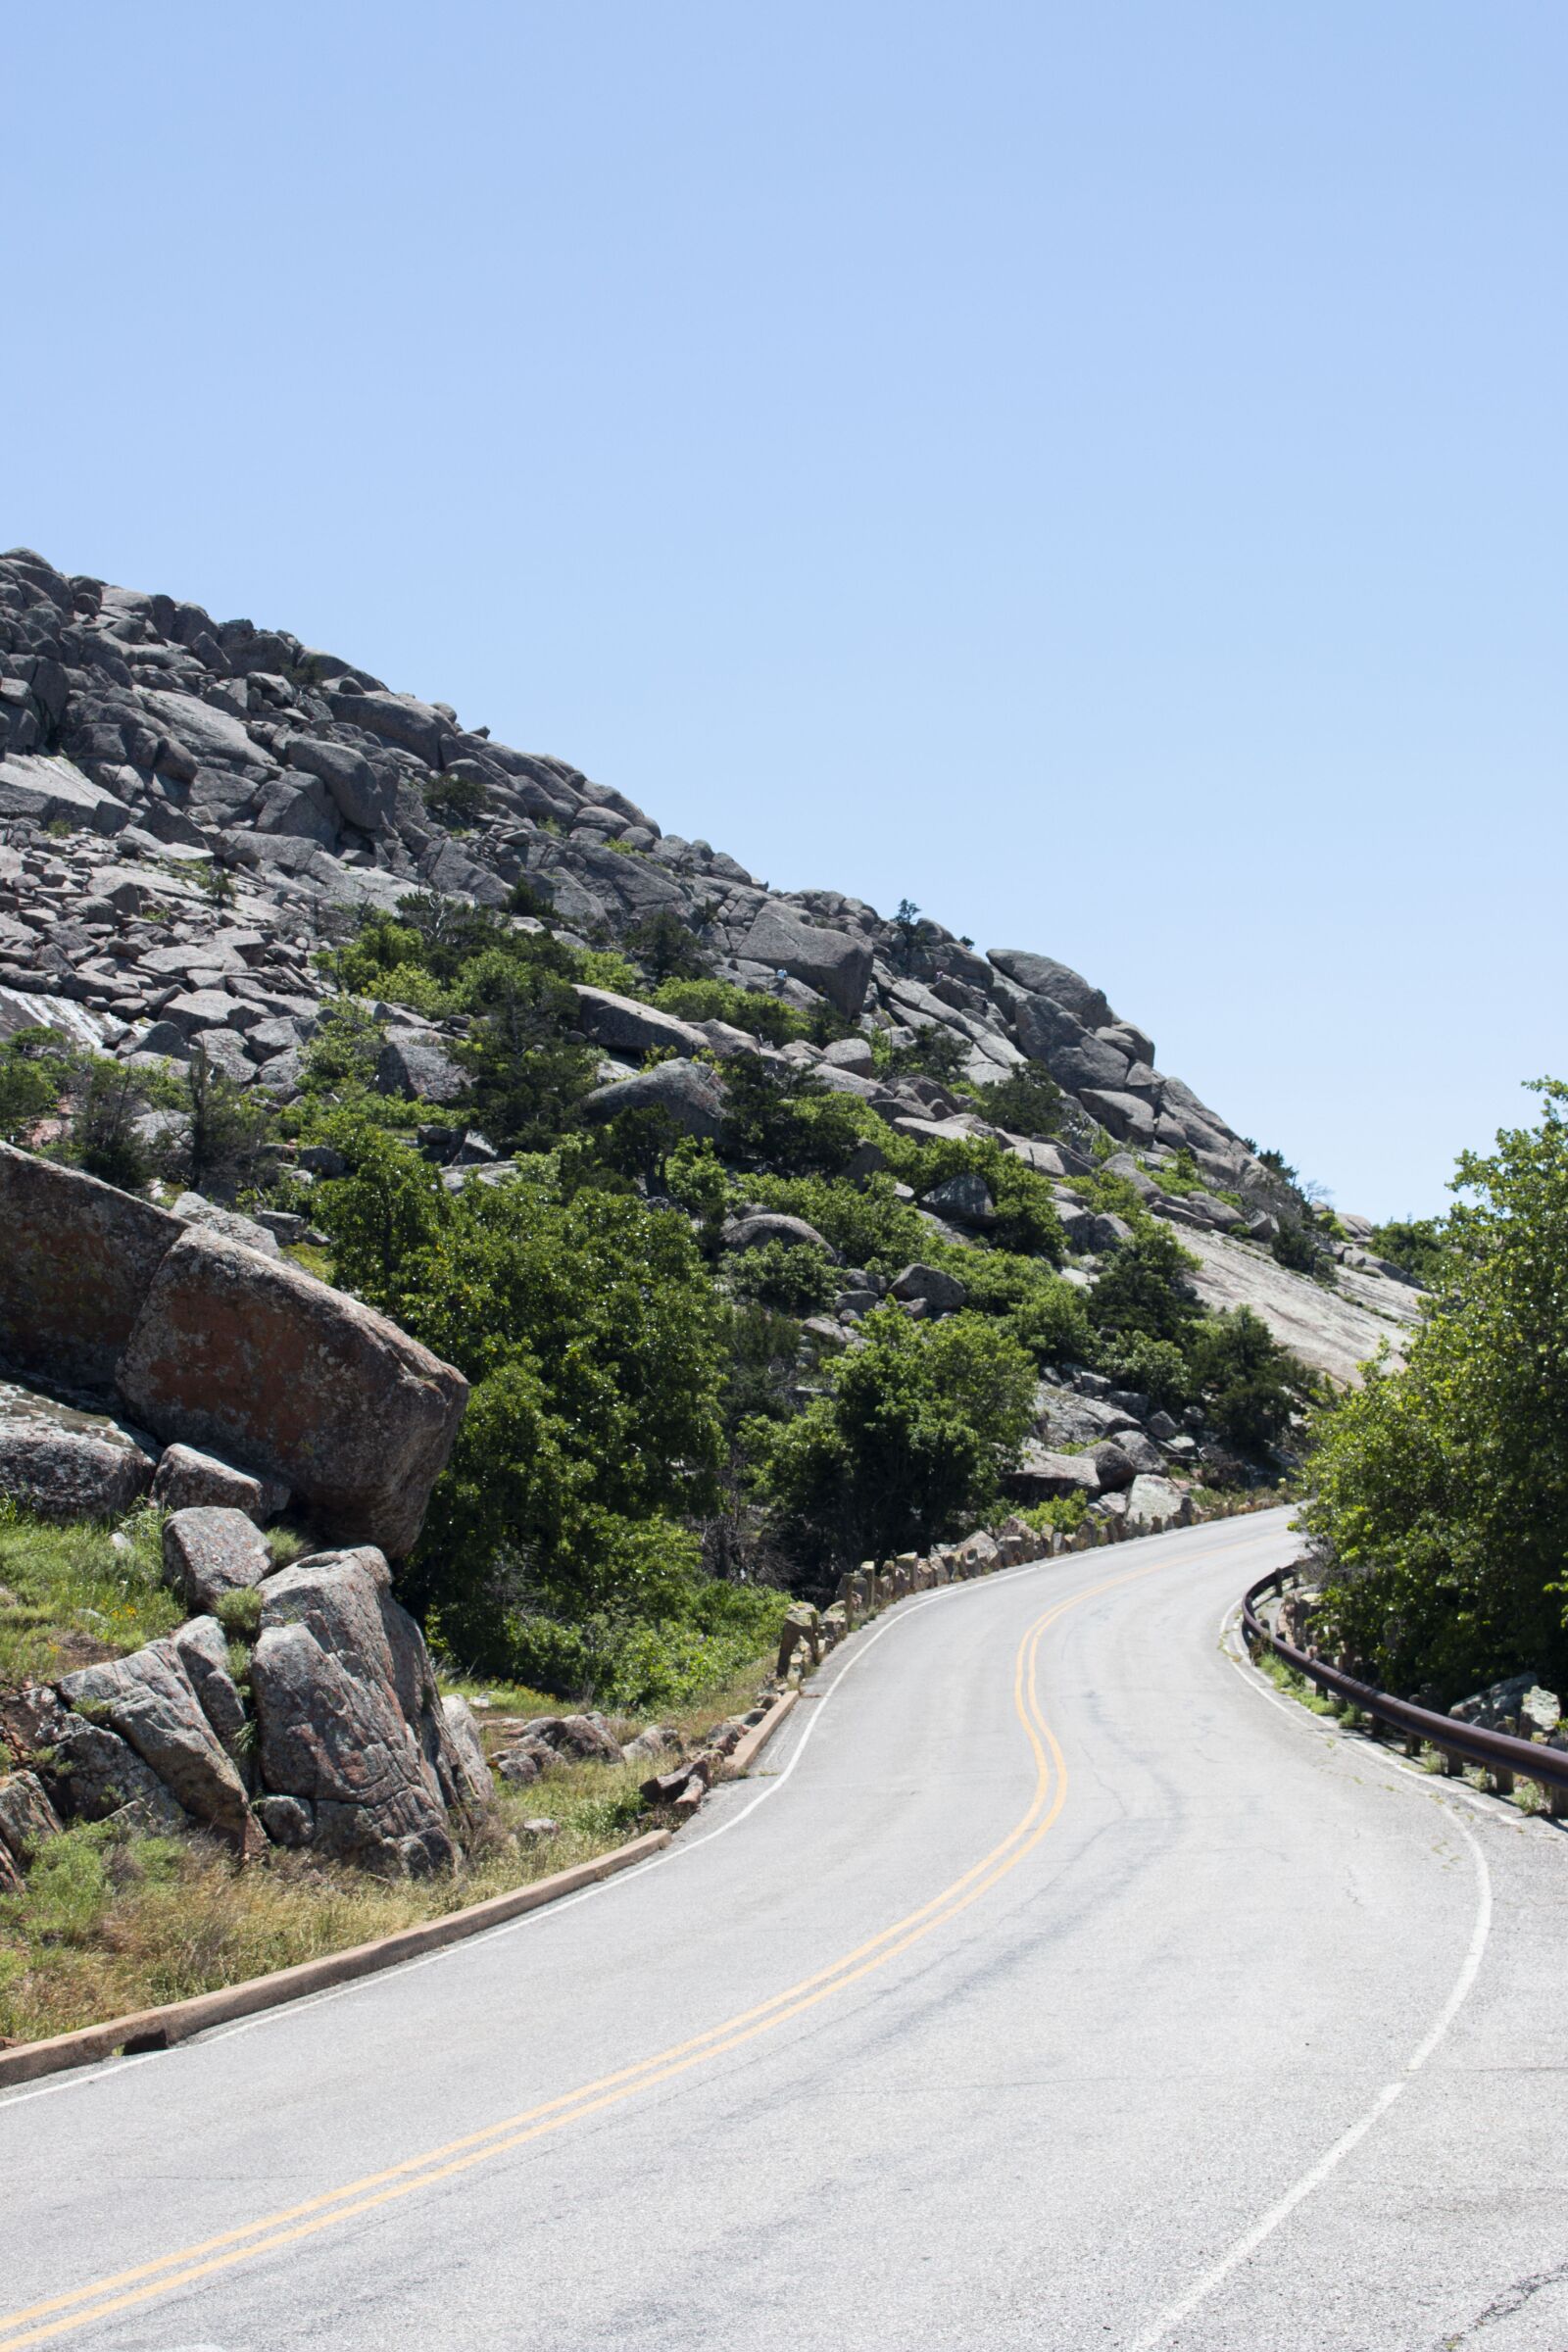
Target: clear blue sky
(1096, 470)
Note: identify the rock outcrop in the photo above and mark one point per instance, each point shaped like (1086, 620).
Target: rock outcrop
(348, 1721)
(213, 1348)
(177, 746)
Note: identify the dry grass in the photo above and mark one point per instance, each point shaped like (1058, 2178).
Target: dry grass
(111, 1923)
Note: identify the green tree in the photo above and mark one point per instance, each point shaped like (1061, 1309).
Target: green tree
(1251, 1387)
(910, 1439)
(664, 948)
(529, 1077)
(1028, 1103)
(1440, 1491)
(1143, 1286)
(35, 1067)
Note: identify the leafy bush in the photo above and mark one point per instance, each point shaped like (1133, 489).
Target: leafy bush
(868, 1225)
(788, 1276)
(1440, 1492)
(1420, 1245)
(1028, 1103)
(910, 1439)
(34, 1067)
(1158, 1368)
(766, 1017)
(1250, 1386)
(1144, 1288)
(664, 948)
(455, 800)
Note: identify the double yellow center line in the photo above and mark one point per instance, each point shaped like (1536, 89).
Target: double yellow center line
(61, 2314)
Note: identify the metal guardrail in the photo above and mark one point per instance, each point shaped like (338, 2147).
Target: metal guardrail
(1497, 1752)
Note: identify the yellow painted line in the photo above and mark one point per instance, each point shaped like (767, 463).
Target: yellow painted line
(126, 2289)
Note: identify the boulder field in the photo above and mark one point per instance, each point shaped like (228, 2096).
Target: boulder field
(145, 744)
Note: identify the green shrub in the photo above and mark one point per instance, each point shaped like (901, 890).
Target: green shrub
(788, 1276)
(910, 1439)
(1144, 1288)
(1440, 1492)
(1250, 1386)
(1028, 1103)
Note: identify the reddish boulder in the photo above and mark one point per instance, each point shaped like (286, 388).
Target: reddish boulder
(77, 1263)
(255, 1360)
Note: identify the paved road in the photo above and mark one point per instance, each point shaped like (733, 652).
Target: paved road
(1058, 1986)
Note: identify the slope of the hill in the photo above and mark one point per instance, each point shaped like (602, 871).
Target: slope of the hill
(143, 742)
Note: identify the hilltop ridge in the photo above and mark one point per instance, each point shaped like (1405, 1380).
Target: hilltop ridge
(164, 740)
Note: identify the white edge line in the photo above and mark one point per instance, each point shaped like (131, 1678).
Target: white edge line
(1329, 2162)
(113, 2070)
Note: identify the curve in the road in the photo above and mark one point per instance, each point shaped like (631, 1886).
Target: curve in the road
(103, 2298)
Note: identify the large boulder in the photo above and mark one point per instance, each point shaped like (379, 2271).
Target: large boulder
(687, 1092)
(1043, 976)
(77, 1263)
(1152, 1499)
(257, 1361)
(63, 1464)
(621, 1025)
(348, 1717)
(204, 1653)
(211, 1551)
(938, 1291)
(836, 966)
(757, 1226)
(420, 1066)
(1041, 1472)
(468, 1750)
(149, 1700)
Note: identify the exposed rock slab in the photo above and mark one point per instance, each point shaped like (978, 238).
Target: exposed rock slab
(1329, 1331)
(78, 1262)
(257, 1361)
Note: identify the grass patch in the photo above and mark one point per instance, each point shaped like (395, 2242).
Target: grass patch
(1294, 1685)
(112, 1921)
(78, 1594)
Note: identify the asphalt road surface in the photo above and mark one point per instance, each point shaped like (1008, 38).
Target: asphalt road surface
(1054, 1983)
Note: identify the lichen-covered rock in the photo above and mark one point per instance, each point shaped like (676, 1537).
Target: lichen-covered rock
(67, 1464)
(1152, 1499)
(94, 1773)
(210, 1551)
(186, 1480)
(261, 1363)
(149, 1700)
(203, 1654)
(468, 1749)
(348, 1718)
(28, 1819)
(287, 1820)
(78, 1262)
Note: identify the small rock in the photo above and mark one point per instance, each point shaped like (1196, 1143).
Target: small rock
(289, 1821)
(212, 1549)
(188, 1480)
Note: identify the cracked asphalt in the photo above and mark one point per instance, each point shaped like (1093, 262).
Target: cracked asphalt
(1055, 1984)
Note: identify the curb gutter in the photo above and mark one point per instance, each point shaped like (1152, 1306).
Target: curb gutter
(178, 2020)
(745, 1754)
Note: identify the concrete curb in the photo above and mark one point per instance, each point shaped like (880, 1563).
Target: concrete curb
(745, 1755)
(178, 2021)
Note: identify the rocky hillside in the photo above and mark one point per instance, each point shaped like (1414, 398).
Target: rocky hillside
(191, 807)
